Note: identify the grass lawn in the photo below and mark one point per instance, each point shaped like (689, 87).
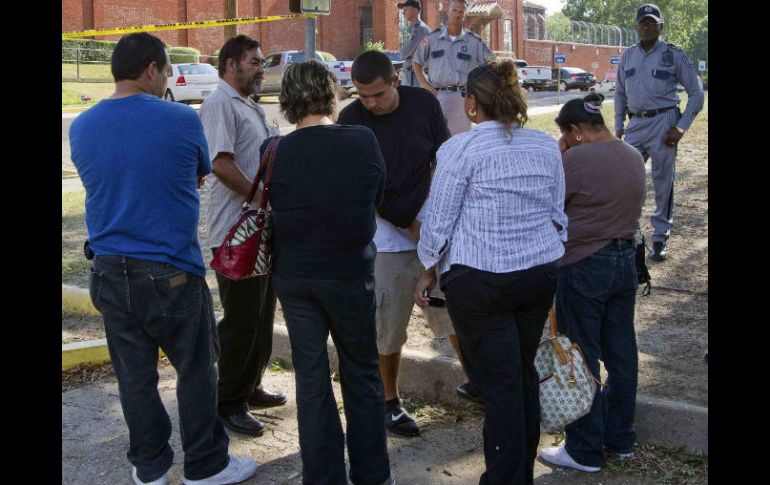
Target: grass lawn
(87, 71)
(545, 121)
(71, 93)
(73, 233)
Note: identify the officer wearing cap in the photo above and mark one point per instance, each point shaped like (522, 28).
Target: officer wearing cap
(418, 30)
(648, 74)
(450, 54)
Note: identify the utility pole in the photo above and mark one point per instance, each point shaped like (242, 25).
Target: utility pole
(310, 38)
(231, 12)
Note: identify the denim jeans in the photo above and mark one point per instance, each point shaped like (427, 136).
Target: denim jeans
(499, 319)
(595, 300)
(147, 305)
(344, 308)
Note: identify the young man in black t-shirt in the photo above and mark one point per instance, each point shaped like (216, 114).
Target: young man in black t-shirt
(410, 127)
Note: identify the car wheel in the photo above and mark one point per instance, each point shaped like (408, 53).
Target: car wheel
(169, 96)
(563, 86)
(584, 89)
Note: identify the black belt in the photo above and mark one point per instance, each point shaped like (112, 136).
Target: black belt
(450, 88)
(653, 112)
(620, 244)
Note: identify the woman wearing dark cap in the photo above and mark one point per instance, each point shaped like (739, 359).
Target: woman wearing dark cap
(493, 231)
(596, 292)
(327, 180)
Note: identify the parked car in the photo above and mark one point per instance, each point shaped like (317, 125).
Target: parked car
(573, 77)
(277, 62)
(605, 86)
(395, 58)
(538, 78)
(191, 82)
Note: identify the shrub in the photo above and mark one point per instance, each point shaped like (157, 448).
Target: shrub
(372, 46)
(90, 50)
(179, 55)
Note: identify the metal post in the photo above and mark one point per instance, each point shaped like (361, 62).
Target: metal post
(558, 84)
(77, 63)
(310, 38)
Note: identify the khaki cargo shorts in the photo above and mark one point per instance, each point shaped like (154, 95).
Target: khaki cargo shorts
(395, 278)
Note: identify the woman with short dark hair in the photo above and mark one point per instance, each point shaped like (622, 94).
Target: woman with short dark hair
(596, 291)
(326, 183)
(494, 229)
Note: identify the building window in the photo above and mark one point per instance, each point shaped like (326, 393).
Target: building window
(486, 34)
(365, 24)
(507, 36)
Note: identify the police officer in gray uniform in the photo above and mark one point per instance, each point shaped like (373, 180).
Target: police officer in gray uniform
(417, 32)
(646, 90)
(450, 54)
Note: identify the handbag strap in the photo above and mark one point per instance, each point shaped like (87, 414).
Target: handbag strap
(563, 356)
(266, 171)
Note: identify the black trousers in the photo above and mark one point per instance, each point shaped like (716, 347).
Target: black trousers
(245, 339)
(499, 319)
(345, 309)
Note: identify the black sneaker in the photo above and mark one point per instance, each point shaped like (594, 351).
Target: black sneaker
(659, 251)
(469, 392)
(398, 421)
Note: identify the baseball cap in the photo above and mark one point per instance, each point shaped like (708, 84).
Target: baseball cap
(649, 10)
(410, 3)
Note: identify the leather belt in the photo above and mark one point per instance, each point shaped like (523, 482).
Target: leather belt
(652, 113)
(450, 88)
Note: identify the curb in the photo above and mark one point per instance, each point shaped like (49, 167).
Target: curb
(434, 378)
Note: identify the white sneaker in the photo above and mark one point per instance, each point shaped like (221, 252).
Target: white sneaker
(558, 456)
(237, 470)
(160, 481)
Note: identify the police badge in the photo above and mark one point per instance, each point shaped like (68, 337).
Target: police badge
(464, 48)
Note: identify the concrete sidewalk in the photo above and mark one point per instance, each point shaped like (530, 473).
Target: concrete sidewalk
(95, 442)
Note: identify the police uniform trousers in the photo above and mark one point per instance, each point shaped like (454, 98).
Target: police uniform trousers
(453, 106)
(649, 137)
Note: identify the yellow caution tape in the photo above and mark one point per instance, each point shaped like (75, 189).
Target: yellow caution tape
(181, 25)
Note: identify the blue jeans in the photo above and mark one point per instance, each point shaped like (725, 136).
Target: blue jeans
(147, 305)
(595, 300)
(344, 308)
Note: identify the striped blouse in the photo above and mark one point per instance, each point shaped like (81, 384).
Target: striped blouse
(494, 203)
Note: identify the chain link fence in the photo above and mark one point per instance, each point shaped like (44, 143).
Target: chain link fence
(579, 32)
(88, 65)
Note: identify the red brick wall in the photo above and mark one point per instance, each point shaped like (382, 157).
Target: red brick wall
(338, 33)
(540, 53)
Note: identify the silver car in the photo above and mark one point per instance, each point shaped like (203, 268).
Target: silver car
(191, 82)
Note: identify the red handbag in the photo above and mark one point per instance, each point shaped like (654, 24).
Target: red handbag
(247, 249)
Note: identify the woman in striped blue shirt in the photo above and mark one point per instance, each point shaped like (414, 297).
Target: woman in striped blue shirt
(494, 229)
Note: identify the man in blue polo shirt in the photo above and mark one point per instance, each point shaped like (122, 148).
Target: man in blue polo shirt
(140, 158)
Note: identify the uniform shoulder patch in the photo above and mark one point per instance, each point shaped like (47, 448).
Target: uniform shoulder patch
(687, 61)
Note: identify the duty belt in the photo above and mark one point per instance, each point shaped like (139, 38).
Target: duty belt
(649, 114)
(451, 88)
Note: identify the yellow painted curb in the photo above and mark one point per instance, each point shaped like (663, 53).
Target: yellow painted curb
(90, 352)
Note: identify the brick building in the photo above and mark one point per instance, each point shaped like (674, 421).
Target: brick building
(510, 27)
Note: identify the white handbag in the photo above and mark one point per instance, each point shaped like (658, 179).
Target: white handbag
(567, 386)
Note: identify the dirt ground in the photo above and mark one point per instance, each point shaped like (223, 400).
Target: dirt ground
(671, 323)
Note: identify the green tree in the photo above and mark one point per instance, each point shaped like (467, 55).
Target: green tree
(685, 21)
(558, 26)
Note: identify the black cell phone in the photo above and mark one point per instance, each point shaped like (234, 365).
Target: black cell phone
(435, 301)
